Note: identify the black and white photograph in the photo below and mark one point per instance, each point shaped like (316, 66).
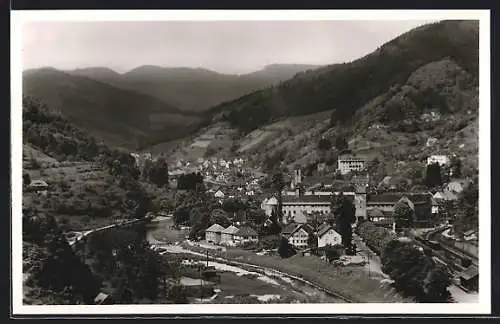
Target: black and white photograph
(286, 162)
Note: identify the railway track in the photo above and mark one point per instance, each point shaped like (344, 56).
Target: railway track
(452, 257)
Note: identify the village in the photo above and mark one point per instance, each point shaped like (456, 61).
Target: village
(307, 225)
(305, 206)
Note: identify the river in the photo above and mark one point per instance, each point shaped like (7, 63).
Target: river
(264, 284)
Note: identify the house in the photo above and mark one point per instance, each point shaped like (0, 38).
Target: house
(219, 194)
(268, 205)
(297, 178)
(300, 217)
(470, 235)
(434, 206)
(328, 236)
(213, 233)
(440, 159)
(349, 163)
(39, 186)
(227, 235)
(469, 278)
(291, 205)
(439, 195)
(296, 234)
(419, 202)
(455, 187)
(245, 234)
(103, 299)
(431, 141)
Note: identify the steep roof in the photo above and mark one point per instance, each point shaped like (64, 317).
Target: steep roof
(469, 273)
(394, 197)
(350, 157)
(215, 228)
(323, 229)
(38, 183)
(272, 201)
(290, 229)
(246, 231)
(375, 213)
(306, 199)
(230, 230)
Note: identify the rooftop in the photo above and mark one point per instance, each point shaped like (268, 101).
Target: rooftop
(309, 199)
(230, 230)
(469, 273)
(290, 229)
(215, 228)
(393, 197)
(323, 229)
(246, 231)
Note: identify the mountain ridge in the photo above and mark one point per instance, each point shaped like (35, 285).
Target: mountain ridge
(192, 89)
(345, 87)
(121, 117)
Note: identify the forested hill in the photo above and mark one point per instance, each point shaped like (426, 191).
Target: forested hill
(345, 88)
(192, 89)
(121, 117)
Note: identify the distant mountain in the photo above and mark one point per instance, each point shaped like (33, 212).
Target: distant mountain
(193, 89)
(121, 117)
(345, 88)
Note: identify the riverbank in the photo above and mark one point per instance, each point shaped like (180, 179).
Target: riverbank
(352, 283)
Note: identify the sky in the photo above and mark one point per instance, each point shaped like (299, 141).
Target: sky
(232, 47)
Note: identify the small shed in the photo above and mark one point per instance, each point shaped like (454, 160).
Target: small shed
(103, 299)
(38, 185)
(469, 278)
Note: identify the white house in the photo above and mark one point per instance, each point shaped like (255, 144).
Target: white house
(434, 206)
(213, 233)
(245, 234)
(296, 234)
(219, 194)
(349, 163)
(227, 235)
(268, 205)
(328, 236)
(439, 195)
(440, 159)
(39, 186)
(455, 187)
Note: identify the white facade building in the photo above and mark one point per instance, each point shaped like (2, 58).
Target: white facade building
(440, 159)
(328, 236)
(349, 163)
(296, 235)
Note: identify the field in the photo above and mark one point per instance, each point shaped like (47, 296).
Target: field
(81, 195)
(351, 281)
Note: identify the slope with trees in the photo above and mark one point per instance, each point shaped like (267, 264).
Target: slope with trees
(121, 117)
(192, 89)
(347, 87)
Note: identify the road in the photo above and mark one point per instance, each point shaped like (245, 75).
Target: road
(179, 249)
(78, 236)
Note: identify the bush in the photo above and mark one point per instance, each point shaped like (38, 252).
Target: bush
(285, 249)
(415, 273)
(375, 237)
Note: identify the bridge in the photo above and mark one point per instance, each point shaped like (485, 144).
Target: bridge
(76, 237)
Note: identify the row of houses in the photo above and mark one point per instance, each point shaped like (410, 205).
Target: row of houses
(231, 235)
(298, 235)
(377, 208)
